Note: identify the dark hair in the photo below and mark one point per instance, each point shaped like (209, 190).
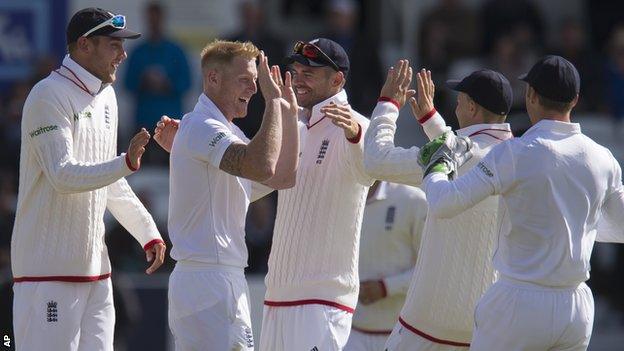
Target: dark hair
(553, 105)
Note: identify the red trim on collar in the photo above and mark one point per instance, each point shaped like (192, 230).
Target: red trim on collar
(429, 337)
(309, 302)
(484, 132)
(390, 100)
(315, 123)
(82, 85)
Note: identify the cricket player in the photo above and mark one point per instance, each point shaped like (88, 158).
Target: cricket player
(215, 172)
(556, 184)
(451, 274)
(394, 217)
(312, 283)
(69, 175)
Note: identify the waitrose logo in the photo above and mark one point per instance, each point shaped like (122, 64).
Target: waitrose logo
(42, 130)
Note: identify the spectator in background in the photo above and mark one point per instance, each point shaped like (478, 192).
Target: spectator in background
(615, 76)
(10, 128)
(256, 30)
(448, 32)
(365, 74)
(572, 44)
(520, 18)
(510, 57)
(158, 75)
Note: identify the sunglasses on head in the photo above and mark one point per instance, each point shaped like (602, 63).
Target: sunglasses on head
(117, 21)
(314, 53)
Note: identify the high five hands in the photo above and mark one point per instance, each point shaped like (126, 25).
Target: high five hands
(397, 83)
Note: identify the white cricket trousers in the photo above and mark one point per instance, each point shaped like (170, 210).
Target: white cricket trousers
(518, 316)
(63, 316)
(312, 327)
(209, 308)
(362, 341)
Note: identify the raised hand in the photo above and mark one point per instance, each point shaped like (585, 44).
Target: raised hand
(137, 148)
(289, 99)
(422, 104)
(268, 86)
(397, 83)
(165, 132)
(341, 116)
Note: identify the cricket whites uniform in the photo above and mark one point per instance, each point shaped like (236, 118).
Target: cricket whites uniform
(208, 294)
(556, 184)
(452, 271)
(312, 283)
(394, 217)
(69, 175)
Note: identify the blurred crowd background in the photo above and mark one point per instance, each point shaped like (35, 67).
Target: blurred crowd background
(162, 76)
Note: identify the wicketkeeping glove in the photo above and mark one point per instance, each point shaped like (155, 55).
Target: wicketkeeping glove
(445, 154)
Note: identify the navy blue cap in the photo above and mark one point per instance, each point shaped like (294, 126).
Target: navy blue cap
(555, 78)
(86, 19)
(487, 88)
(330, 48)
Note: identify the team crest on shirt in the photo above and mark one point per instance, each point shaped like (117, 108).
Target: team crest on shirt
(390, 217)
(52, 311)
(322, 151)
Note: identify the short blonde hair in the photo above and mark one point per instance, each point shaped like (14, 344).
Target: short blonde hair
(220, 52)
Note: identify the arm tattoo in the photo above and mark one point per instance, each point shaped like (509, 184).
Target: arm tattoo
(232, 159)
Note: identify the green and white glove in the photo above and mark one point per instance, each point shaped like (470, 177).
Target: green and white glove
(445, 154)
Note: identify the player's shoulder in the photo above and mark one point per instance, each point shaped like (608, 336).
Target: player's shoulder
(47, 88)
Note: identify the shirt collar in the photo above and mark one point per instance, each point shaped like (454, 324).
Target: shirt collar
(498, 130)
(338, 99)
(205, 105)
(555, 126)
(381, 193)
(93, 84)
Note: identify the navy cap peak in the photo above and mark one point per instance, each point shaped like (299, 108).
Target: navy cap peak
(555, 78)
(487, 88)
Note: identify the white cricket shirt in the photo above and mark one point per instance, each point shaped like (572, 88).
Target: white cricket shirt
(394, 217)
(556, 184)
(314, 255)
(69, 175)
(207, 206)
(454, 266)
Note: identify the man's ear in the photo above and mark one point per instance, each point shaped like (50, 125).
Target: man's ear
(213, 77)
(339, 78)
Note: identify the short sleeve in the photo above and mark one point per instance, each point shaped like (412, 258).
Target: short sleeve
(209, 139)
